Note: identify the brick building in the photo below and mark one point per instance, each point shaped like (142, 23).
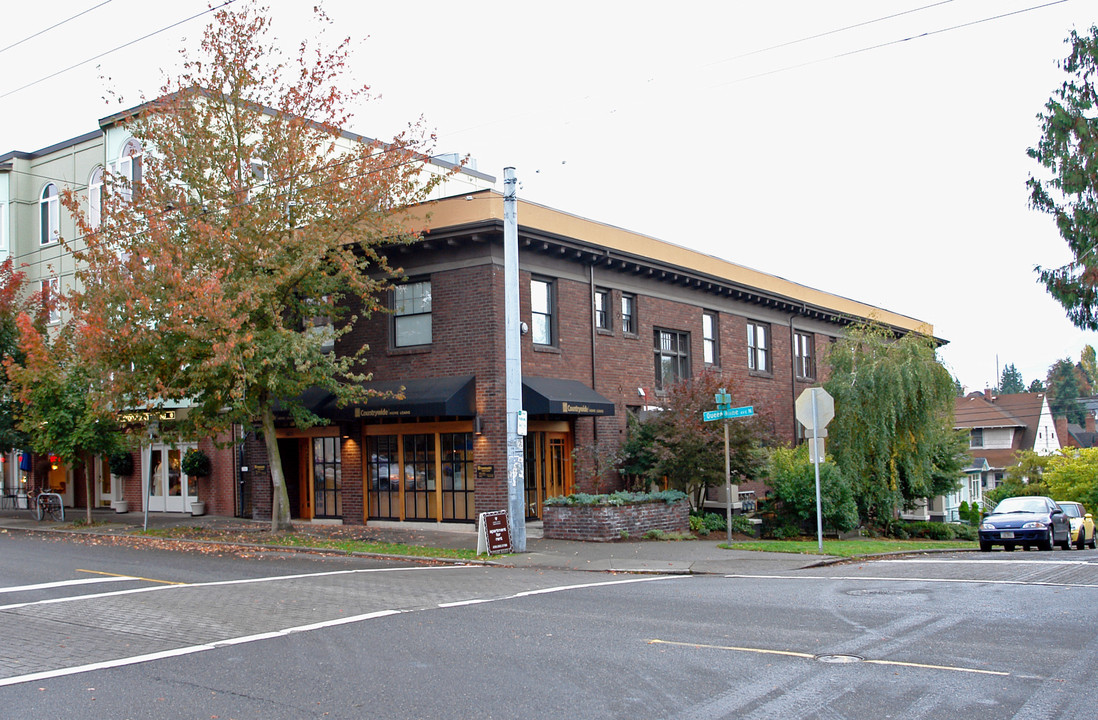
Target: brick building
(612, 318)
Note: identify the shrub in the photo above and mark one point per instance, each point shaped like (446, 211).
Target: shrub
(121, 464)
(622, 497)
(966, 532)
(743, 525)
(197, 463)
(793, 490)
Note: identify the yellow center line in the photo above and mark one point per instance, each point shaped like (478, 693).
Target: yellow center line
(810, 656)
(131, 577)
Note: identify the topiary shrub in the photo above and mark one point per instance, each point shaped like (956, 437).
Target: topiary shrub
(121, 464)
(197, 463)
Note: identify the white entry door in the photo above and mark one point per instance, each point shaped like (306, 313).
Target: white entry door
(168, 486)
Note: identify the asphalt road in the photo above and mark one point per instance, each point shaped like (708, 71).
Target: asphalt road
(996, 635)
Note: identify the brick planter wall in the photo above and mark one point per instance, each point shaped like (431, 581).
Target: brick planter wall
(602, 523)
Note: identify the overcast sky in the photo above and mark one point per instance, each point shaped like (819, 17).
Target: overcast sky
(875, 157)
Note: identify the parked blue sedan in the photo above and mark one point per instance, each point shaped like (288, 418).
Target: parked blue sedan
(1028, 521)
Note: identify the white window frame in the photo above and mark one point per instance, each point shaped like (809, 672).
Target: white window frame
(543, 312)
(49, 215)
(95, 197)
(603, 319)
(710, 338)
(804, 355)
(51, 288)
(629, 319)
(758, 347)
(124, 168)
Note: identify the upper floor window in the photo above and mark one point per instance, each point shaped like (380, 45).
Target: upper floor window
(541, 311)
(710, 344)
(804, 355)
(629, 314)
(49, 212)
(260, 176)
(758, 347)
(95, 197)
(602, 309)
(412, 314)
(128, 169)
(51, 293)
(672, 352)
(976, 438)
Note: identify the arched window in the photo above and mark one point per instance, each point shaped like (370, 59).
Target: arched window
(95, 197)
(128, 169)
(49, 207)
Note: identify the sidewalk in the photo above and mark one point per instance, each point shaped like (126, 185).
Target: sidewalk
(650, 556)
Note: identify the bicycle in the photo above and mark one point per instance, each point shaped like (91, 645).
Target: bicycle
(46, 503)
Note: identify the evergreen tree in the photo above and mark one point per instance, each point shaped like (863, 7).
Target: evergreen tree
(1011, 382)
(1064, 389)
(1068, 151)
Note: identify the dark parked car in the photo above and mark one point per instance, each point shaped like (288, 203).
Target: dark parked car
(1026, 521)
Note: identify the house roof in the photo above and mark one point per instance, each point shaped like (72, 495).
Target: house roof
(615, 247)
(975, 411)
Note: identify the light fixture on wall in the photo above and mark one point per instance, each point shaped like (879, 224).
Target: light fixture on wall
(478, 425)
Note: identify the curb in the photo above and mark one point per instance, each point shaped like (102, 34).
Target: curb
(258, 547)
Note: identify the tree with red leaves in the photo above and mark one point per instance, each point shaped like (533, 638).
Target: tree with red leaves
(225, 275)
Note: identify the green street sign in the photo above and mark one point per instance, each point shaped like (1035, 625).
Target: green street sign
(728, 413)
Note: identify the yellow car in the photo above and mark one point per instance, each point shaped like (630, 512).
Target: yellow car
(1082, 524)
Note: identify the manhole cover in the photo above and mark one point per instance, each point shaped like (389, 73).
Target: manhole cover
(839, 658)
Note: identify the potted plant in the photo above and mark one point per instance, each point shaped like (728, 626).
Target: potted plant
(121, 465)
(197, 464)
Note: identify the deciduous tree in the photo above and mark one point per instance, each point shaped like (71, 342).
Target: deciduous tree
(688, 451)
(54, 388)
(1068, 150)
(892, 433)
(253, 241)
(15, 300)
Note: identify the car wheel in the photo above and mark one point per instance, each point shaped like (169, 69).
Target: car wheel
(1066, 544)
(1081, 542)
(1047, 543)
(985, 546)
(1093, 543)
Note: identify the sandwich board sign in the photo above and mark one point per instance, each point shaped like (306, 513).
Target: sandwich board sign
(493, 534)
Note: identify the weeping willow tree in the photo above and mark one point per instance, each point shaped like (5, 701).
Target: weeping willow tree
(893, 431)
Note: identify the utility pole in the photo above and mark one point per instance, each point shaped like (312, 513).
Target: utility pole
(516, 481)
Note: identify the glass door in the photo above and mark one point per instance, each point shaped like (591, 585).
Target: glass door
(168, 488)
(548, 469)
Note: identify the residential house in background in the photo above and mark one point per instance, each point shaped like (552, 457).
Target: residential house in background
(999, 427)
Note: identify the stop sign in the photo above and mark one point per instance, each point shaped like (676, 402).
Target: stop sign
(825, 407)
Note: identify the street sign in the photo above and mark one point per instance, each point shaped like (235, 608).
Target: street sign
(825, 407)
(493, 533)
(728, 413)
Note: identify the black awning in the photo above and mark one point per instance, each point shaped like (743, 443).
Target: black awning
(427, 397)
(553, 396)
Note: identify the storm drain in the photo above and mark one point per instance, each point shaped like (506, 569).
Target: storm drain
(839, 659)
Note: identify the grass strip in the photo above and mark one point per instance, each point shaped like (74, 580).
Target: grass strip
(310, 542)
(848, 548)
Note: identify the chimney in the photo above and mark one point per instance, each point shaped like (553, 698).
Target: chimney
(987, 395)
(1090, 422)
(1066, 439)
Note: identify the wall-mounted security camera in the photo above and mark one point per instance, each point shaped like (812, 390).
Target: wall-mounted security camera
(523, 328)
